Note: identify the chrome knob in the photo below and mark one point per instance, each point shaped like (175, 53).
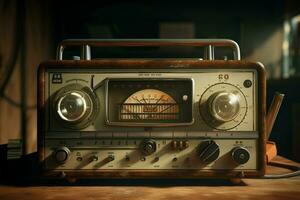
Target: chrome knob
(75, 106)
(110, 158)
(61, 154)
(224, 106)
(72, 106)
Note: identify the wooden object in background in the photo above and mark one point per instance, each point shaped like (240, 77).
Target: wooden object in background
(271, 151)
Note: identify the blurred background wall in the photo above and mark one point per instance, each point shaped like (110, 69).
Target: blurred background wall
(26, 38)
(267, 31)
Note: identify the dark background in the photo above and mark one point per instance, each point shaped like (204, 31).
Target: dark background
(31, 30)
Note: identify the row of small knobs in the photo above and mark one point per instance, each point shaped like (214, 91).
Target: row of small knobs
(147, 147)
(61, 155)
(208, 151)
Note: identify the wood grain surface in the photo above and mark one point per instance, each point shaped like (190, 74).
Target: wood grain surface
(162, 189)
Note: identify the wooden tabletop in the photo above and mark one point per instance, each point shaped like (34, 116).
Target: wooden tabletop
(262, 189)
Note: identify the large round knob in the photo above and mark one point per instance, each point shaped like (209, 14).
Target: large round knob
(240, 155)
(61, 154)
(73, 106)
(148, 147)
(224, 106)
(208, 151)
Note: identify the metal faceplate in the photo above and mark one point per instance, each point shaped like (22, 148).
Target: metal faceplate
(104, 144)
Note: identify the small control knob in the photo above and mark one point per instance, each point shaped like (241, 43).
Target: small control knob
(148, 147)
(185, 144)
(61, 154)
(224, 106)
(208, 151)
(110, 158)
(94, 158)
(240, 155)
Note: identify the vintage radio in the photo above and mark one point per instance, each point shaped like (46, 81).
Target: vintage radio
(151, 118)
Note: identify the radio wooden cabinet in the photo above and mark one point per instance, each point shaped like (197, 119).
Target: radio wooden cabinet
(150, 118)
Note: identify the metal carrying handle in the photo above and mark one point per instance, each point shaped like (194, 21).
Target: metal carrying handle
(86, 45)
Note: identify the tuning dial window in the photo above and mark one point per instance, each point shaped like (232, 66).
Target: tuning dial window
(148, 102)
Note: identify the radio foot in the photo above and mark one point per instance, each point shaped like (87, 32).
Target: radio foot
(62, 174)
(71, 179)
(236, 181)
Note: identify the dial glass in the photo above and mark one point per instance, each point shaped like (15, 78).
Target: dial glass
(223, 106)
(142, 101)
(71, 107)
(149, 104)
